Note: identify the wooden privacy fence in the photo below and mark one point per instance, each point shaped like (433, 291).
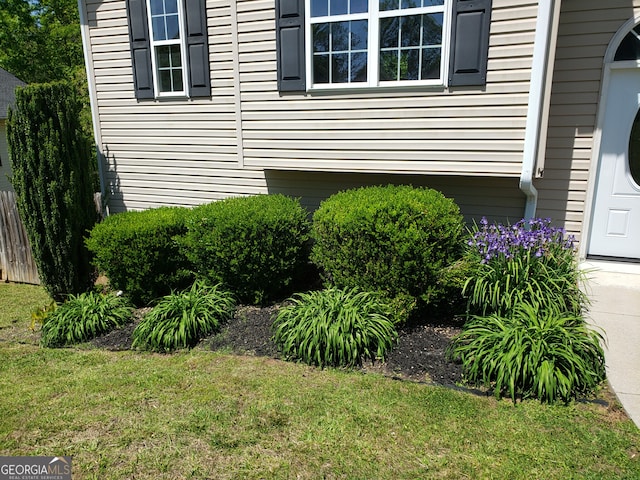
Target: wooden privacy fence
(16, 261)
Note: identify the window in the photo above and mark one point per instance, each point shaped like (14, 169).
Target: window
(166, 41)
(169, 49)
(325, 44)
(373, 42)
(629, 48)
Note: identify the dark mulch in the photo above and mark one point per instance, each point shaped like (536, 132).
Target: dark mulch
(419, 354)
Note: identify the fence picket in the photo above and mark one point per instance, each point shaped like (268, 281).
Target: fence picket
(16, 261)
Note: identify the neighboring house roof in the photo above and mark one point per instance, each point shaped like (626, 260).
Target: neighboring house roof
(8, 84)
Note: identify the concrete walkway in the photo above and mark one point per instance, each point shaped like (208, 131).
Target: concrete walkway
(614, 290)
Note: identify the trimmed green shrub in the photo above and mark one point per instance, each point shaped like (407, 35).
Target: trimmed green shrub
(529, 262)
(83, 317)
(535, 352)
(138, 252)
(180, 320)
(50, 160)
(334, 327)
(399, 240)
(256, 246)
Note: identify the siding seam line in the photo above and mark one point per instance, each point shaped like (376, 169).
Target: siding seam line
(236, 83)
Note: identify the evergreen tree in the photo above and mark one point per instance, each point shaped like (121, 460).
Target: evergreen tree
(49, 157)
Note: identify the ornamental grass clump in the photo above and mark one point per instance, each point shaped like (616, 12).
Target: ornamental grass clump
(530, 261)
(83, 317)
(536, 352)
(180, 320)
(334, 327)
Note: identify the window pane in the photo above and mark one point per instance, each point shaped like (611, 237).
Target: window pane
(410, 65)
(389, 32)
(158, 28)
(171, 6)
(634, 150)
(176, 57)
(358, 67)
(157, 7)
(176, 75)
(164, 79)
(319, 8)
(410, 31)
(173, 27)
(389, 5)
(340, 52)
(430, 63)
(321, 37)
(410, 60)
(321, 69)
(359, 6)
(432, 29)
(169, 66)
(404, 4)
(388, 66)
(339, 36)
(338, 7)
(163, 57)
(359, 35)
(340, 68)
(629, 48)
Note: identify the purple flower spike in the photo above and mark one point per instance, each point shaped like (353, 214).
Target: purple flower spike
(536, 237)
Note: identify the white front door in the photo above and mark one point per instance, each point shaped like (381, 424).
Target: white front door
(615, 228)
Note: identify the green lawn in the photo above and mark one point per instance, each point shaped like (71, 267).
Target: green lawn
(200, 414)
(17, 302)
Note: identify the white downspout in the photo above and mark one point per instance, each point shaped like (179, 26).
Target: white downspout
(93, 99)
(539, 93)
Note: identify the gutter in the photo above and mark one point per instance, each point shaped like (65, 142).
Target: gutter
(93, 101)
(538, 107)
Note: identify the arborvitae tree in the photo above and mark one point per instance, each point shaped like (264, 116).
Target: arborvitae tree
(49, 158)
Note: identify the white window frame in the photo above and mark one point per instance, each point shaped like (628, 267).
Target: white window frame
(373, 17)
(159, 43)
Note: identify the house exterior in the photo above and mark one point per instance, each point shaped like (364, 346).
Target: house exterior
(8, 84)
(515, 108)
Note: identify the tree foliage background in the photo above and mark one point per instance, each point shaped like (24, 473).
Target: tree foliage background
(49, 133)
(40, 40)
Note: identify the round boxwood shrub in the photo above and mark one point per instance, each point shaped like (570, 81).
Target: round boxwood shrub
(399, 240)
(255, 246)
(140, 254)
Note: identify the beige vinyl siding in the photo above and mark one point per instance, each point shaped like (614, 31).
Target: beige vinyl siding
(5, 168)
(169, 152)
(585, 31)
(464, 132)
(496, 198)
(186, 152)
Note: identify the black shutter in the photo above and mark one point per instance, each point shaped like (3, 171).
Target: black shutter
(140, 48)
(470, 24)
(290, 45)
(197, 48)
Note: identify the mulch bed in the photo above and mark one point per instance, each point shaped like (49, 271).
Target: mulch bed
(419, 354)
